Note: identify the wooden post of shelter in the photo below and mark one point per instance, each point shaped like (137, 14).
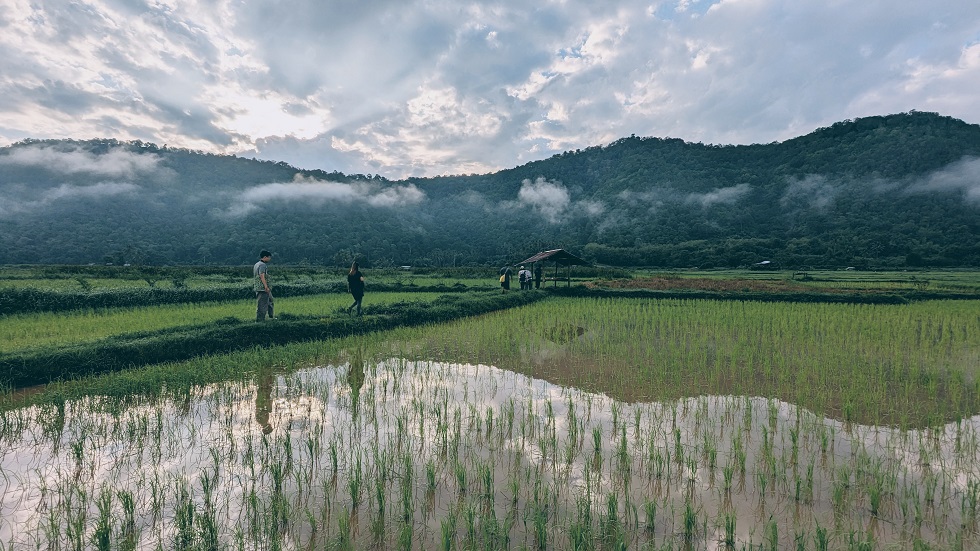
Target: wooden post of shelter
(560, 257)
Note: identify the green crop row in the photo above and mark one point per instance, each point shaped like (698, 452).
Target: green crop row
(24, 300)
(136, 349)
(43, 329)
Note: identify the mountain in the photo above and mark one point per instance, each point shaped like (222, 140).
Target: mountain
(889, 191)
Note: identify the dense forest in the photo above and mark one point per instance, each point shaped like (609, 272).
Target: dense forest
(891, 191)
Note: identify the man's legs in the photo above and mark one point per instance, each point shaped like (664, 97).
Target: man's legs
(264, 305)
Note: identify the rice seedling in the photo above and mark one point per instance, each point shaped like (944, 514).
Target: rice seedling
(25, 331)
(472, 435)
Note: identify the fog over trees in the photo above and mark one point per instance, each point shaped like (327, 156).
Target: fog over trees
(890, 191)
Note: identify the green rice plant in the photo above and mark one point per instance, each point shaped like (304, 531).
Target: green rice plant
(730, 520)
(772, 535)
(690, 521)
(728, 474)
(344, 540)
(127, 537)
(460, 471)
(821, 540)
(486, 477)
(355, 483)
(447, 531)
(184, 536)
(102, 537)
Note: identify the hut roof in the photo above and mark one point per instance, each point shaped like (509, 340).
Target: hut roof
(561, 256)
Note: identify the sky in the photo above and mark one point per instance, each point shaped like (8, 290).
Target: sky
(404, 88)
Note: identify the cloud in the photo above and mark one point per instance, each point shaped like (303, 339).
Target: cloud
(66, 192)
(551, 199)
(655, 198)
(309, 191)
(116, 163)
(813, 192)
(723, 196)
(450, 88)
(962, 176)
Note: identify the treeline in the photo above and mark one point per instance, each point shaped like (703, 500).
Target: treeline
(890, 191)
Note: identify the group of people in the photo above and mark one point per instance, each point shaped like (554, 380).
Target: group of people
(355, 284)
(263, 291)
(524, 276)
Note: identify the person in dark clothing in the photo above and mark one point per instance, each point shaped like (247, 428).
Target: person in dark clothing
(355, 286)
(505, 274)
(537, 275)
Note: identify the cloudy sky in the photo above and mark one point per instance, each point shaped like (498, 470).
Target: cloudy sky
(428, 87)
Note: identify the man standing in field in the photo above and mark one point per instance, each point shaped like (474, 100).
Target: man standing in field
(260, 284)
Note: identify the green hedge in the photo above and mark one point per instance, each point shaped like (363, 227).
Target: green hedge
(32, 300)
(137, 349)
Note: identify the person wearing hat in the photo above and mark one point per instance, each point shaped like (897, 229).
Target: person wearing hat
(260, 284)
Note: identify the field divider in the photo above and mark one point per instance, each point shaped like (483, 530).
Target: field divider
(128, 351)
(33, 300)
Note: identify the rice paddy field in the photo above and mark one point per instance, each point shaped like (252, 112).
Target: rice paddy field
(25, 331)
(569, 423)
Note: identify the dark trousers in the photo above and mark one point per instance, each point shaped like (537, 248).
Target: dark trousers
(264, 306)
(357, 302)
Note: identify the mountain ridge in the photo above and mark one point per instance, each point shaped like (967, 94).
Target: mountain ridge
(888, 191)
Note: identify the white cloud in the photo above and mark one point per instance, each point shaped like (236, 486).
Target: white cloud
(116, 163)
(549, 198)
(451, 88)
(814, 192)
(721, 196)
(309, 191)
(66, 192)
(962, 176)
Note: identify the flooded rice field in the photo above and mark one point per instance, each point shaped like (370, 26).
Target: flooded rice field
(568, 424)
(406, 454)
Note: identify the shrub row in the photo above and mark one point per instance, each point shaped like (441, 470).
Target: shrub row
(137, 349)
(32, 300)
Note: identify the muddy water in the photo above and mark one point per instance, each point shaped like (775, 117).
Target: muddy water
(382, 453)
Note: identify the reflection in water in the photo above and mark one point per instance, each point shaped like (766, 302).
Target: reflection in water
(355, 378)
(397, 449)
(263, 399)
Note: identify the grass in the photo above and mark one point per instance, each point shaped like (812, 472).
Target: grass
(429, 458)
(585, 423)
(25, 331)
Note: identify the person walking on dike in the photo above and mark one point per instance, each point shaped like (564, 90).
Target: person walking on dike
(537, 275)
(525, 278)
(260, 284)
(505, 274)
(355, 286)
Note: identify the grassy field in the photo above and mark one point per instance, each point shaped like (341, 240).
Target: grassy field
(24, 331)
(567, 424)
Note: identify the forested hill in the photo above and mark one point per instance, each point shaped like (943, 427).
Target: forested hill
(890, 191)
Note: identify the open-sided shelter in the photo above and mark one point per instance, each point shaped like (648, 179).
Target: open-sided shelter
(560, 257)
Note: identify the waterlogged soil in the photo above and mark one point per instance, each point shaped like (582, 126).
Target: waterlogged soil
(367, 453)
